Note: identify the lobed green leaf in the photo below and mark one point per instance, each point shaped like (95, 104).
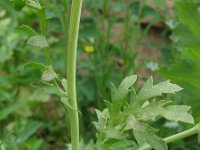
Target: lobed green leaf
(123, 89)
(171, 112)
(149, 90)
(118, 94)
(102, 119)
(120, 116)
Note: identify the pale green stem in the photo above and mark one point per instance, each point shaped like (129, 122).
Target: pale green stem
(71, 71)
(181, 135)
(43, 28)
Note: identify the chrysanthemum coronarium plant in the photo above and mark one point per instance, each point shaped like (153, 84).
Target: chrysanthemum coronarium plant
(127, 121)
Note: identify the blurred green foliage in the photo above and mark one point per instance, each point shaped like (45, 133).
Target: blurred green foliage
(31, 119)
(184, 68)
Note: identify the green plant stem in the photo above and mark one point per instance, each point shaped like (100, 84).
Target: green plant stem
(43, 29)
(71, 70)
(181, 135)
(47, 56)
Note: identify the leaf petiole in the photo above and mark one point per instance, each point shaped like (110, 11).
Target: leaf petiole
(178, 136)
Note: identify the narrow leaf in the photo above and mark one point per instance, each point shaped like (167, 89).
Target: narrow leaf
(31, 127)
(35, 65)
(7, 111)
(49, 74)
(28, 29)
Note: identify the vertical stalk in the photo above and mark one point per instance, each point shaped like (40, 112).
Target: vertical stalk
(43, 30)
(71, 70)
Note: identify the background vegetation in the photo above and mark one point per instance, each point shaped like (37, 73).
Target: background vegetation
(159, 38)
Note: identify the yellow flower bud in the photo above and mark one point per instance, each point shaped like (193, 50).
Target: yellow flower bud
(89, 48)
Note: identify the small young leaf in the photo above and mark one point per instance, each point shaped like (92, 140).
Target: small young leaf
(149, 90)
(102, 119)
(35, 65)
(144, 134)
(38, 41)
(49, 74)
(171, 112)
(19, 4)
